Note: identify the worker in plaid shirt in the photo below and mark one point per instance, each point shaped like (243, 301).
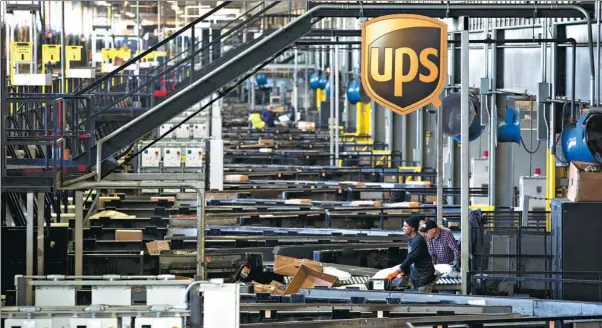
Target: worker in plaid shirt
(442, 245)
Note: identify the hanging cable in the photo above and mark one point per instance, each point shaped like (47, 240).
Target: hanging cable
(527, 149)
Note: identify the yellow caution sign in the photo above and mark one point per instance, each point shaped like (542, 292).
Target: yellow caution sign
(124, 54)
(74, 53)
(51, 53)
(109, 54)
(21, 52)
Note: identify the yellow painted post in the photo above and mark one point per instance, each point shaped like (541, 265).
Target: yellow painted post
(550, 185)
(367, 119)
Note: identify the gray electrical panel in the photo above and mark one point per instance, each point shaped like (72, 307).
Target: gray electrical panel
(575, 232)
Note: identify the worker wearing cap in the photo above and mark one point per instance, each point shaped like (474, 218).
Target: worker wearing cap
(418, 264)
(442, 245)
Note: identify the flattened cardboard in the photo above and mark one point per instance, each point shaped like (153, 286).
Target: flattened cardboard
(155, 247)
(307, 277)
(288, 266)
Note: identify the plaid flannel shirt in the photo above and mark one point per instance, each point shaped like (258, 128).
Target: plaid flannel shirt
(444, 248)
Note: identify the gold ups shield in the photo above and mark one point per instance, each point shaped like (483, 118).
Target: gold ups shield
(404, 61)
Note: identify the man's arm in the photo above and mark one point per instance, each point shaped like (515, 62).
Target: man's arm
(453, 244)
(416, 253)
(429, 244)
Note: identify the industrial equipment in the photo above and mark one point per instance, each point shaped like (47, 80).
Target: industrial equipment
(582, 141)
(450, 114)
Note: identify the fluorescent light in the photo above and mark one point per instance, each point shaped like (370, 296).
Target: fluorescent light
(103, 3)
(129, 14)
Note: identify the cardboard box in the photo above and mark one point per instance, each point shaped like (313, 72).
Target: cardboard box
(375, 203)
(584, 186)
(273, 288)
(288, 266)
(155, 247)
(129, 235)
(236, 177)
(167, 198)
(306, 126)
(298, 202)
(307, 277)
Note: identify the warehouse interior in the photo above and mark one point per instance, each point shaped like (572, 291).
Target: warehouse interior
(195, 163)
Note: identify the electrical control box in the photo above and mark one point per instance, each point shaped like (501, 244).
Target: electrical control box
(151, 157)
(479, 178)
(194, 157)
(93, 323)
(183, 131)
(172, 157)
(159, 322)
(164, 128)
(200, 131)
(28, 323)
(533, 187)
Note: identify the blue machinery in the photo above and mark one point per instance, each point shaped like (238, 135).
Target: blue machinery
(582, 141)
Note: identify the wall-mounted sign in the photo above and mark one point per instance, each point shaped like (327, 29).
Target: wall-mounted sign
(404, 61)
(21, 52)
(51, 53)
(73, 53)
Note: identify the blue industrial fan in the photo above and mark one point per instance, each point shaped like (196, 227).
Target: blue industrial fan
(451, 117)
(582, 141)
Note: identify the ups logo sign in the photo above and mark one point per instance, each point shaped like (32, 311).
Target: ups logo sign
(404, 61)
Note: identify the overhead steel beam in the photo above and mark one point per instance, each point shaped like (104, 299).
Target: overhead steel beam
(334, 33)
(454, 10)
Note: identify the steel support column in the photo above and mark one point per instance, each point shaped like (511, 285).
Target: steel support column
(29, 243)
(295, 101)
(465, 153)
(493, 120)
(40, 233)
(78, 240)
(335, 91)
(330, 97)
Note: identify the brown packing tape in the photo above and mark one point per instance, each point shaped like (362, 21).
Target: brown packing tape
(307, 277)
(288, 266)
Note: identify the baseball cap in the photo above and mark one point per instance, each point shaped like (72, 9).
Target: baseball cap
(413, 222)
(428, 225)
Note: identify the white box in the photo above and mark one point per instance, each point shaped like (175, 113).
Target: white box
(164, 128)
(200, 131)
(93, 322)
(534, 187)
(479, 178)
(183, 131)
(151, 157)
(28, 323)
(172, 157)
(159, 322)
(194, 157)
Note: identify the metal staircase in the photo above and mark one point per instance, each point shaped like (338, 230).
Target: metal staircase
(195, 74)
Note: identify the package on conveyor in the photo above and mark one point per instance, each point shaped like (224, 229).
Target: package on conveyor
(375, 203)
(298, 202)
(288, 266)
(155, 247)
(273, 287)
(584, 182)
(306, 126)
(236, 177)
(111, 214)
(128, 235)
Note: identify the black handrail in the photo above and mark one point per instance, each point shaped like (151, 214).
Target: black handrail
(153, 48)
